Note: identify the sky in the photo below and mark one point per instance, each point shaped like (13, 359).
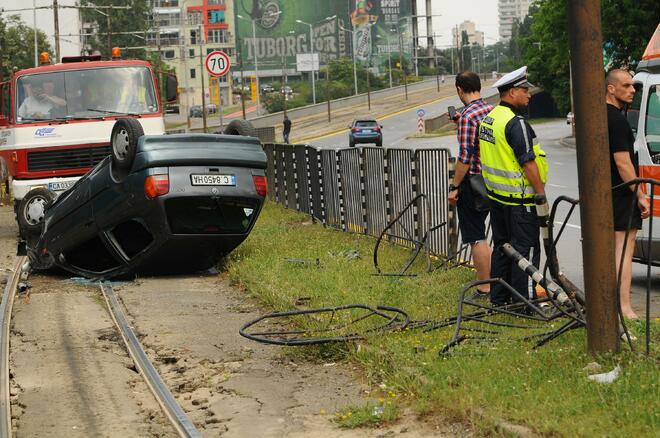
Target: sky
(69, 45)
(452, 12)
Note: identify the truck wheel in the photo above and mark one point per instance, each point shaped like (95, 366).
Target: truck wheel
(31, 210)
(241, 127)
(124, 139)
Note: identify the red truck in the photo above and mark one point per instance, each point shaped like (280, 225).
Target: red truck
(56, 121)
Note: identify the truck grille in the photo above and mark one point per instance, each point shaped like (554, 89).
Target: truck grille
(60, 159)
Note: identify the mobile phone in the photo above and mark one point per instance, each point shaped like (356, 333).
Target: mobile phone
(452, 112)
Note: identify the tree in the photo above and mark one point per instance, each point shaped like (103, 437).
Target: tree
(136, 19)
(627, 28)
(541, 41)
(17, 45)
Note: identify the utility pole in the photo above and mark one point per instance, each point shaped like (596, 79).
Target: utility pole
(284, 81)
(327, 89)
(56, 20)
(240, 55)
(109, 20)
(34, 26)
(201, 76)
(369, 83)
(403, 70)
(600, 281)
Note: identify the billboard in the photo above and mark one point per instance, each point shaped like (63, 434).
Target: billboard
(278, 30)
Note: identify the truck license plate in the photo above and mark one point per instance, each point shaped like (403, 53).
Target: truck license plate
(60, 185)
(213, 180)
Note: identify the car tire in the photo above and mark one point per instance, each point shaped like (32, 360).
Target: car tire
(351, 144)
(31, 211)
(379, 144)
(123, 141)
(241, 127)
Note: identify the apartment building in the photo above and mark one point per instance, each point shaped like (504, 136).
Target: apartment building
(511, 11)
(185, 31)
(475, 37)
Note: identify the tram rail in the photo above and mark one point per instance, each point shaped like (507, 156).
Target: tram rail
(174, 413)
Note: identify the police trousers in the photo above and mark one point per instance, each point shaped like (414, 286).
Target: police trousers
(519, 226)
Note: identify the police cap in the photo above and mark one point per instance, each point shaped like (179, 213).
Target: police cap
(517, 78)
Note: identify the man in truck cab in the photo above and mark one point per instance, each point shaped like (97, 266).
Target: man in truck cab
(42, 103)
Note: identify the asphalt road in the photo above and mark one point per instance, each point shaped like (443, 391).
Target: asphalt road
(563, 180)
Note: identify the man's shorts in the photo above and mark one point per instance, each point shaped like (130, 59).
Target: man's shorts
(623, 205)
(471, 222)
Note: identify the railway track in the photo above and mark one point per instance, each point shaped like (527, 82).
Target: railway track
(168, 404)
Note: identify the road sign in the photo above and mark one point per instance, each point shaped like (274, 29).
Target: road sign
(307, 62)
(217, 63)
(420, 125)
(421, 113)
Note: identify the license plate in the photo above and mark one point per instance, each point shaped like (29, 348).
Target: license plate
(366, 131)
(60, 185)
(213, 180)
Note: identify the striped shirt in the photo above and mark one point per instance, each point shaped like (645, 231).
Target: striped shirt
(468, 133)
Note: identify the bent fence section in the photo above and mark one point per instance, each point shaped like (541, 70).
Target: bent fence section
(362, 190)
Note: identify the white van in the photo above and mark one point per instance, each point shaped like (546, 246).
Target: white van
(644, 117)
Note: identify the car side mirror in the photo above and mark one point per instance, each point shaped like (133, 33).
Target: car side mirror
(4, 122)
(171, 88)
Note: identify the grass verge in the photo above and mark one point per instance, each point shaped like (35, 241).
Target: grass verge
(484, 384)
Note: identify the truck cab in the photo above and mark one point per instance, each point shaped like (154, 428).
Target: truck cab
(644, 118)
(56, 120)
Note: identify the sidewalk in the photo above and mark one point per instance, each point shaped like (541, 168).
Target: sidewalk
(568, 142)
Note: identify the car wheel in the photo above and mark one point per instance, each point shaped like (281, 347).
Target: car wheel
(31, 211)
(379, 143)
(241, 127)
(351, 143)
(124, 139)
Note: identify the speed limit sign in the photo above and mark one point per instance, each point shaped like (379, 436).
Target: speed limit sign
(217, 63)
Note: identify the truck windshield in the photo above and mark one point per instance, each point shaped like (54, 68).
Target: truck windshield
(82, 94)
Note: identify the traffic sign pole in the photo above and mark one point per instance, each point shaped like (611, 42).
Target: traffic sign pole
(218, 64)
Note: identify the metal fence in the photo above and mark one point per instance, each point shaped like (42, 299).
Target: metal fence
(362, 190)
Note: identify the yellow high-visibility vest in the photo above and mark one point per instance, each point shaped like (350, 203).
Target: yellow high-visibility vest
(504, 177)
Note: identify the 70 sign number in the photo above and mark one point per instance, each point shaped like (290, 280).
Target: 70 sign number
(217, 63)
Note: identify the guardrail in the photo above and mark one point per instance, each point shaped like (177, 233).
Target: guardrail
(344, 102)
(362, 190)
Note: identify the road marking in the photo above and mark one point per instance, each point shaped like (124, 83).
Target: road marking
(557, 186)
(386, 116)
(569, 225)
(558, 163)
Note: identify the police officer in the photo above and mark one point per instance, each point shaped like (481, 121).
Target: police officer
(514, 170)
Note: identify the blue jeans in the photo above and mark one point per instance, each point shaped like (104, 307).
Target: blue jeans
(286, 137)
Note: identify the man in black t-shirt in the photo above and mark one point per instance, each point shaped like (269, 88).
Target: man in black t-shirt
(630, 206)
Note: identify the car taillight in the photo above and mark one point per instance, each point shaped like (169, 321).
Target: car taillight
(156, 185)
(354, 129)
(377, 129)
(261, 184)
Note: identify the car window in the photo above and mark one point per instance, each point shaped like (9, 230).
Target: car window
(366, 124)
(633, 110)
(85, 93)
(5, 102)
(652, 131)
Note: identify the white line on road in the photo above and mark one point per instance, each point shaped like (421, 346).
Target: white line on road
(569, 225)
(556, 185)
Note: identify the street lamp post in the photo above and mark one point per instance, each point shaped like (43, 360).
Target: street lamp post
(254, 50)
(389, 57)
(354, 63)
(311, 52)
(311, 49)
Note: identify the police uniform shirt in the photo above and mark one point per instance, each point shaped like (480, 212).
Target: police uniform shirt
(520, 136)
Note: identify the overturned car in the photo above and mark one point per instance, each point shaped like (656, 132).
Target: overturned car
(157, 204)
